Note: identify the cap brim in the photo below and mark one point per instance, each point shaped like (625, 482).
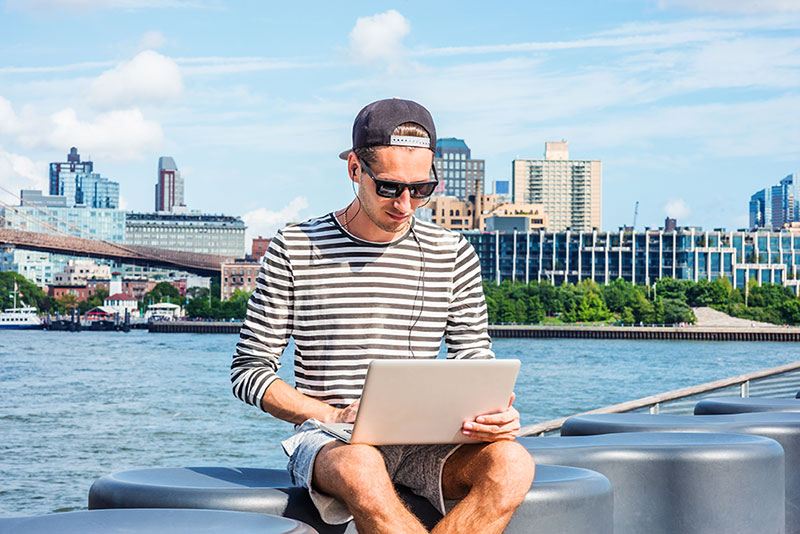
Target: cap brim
(344, 154)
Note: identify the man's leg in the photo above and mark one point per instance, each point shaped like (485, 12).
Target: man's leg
(491, 480)
(357, 475)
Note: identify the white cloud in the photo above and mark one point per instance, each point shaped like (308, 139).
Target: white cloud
(152, 40)
(123, 134)
(19, 172)
(733, 6)
(116, 135)
(262, 222)
(147, 78)
(379, 38)
(677, 208)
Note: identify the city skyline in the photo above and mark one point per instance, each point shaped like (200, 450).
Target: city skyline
(688, 104)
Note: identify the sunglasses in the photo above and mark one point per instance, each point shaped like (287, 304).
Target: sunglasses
(392, 189)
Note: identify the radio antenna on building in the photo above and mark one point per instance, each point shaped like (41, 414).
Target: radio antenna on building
(635, 214)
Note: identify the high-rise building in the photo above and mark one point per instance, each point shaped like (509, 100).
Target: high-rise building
(776, 206)
(570, 190)
(80, 185)
(459, 175)
(169, 189)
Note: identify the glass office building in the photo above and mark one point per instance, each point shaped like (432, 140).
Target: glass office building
(80, 185)
(641, 257)
(459, 175)
(89, 223)
(777, 205)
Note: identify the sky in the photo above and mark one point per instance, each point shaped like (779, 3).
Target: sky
(691, 105)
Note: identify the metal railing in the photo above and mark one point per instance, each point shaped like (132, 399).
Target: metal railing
(781, 381)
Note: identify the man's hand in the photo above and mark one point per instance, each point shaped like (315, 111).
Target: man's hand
(346, 414)
(494, 427)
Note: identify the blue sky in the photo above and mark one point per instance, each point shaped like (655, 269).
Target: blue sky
(692, 105)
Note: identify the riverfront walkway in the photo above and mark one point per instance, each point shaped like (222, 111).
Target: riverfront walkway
(712, 318)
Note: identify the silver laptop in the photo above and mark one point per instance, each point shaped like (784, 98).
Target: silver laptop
(426, 401)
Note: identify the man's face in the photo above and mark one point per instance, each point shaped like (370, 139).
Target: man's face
(398, 164)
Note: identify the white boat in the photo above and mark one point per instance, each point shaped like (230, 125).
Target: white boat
(24, 317)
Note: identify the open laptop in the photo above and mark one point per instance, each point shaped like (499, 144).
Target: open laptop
(426, 401)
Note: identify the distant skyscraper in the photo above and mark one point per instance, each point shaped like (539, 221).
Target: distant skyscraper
(169, 189)
(82, 187)
(777, 205)
(460, 176)
(570, 190)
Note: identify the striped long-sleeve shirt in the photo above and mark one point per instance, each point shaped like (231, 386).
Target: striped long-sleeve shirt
(346, 301)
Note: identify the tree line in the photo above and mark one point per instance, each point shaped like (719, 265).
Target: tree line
(668, 301)
(199, 303)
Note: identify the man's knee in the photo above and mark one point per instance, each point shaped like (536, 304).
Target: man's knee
(344, 470)
(509, 470)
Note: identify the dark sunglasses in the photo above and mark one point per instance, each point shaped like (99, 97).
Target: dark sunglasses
(392, 189)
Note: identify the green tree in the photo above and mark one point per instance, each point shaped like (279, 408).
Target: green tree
(27, 292)
(592, 308)
(669, 288)
(627, 316)
(163, 292)
(677, 311)
(790, 311)
(66, 302)
(618, 295)
(699, 293)
(642, 309)
(535, 310)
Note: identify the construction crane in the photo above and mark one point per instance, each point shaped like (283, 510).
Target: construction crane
(635, 214)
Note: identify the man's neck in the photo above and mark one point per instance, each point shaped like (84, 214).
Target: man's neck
(358, 224)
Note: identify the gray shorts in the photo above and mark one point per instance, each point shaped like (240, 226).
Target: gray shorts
(418, 467)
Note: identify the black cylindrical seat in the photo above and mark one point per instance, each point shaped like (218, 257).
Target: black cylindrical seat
(159, 521)
(561, 499)
(726, 405)
(690, 483)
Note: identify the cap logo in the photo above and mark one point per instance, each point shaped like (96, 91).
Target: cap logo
(409, 140)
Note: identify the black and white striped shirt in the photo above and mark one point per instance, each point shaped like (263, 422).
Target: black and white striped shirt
(347, 301)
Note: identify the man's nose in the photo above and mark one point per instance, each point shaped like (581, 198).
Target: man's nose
(403, 202)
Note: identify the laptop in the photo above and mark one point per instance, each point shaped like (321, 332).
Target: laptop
(426, 401)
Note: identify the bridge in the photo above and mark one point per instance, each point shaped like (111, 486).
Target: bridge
(200, 264)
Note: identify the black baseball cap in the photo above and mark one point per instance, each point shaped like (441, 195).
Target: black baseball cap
(375, 123)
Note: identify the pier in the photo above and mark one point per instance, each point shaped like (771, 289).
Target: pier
(684, 333)
(194, 327)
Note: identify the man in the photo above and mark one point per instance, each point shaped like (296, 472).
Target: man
(370, 281)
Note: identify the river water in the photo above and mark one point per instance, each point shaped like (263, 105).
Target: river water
(76, 406)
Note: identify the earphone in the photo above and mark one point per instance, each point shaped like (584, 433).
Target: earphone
(420, 283)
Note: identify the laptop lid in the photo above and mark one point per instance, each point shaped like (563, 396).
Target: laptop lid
(427, 401)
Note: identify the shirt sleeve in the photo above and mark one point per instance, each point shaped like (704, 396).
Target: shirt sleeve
(267, 326)
(467, 330)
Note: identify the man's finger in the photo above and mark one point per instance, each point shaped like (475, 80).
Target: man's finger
(478, 428)
(498, 418)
